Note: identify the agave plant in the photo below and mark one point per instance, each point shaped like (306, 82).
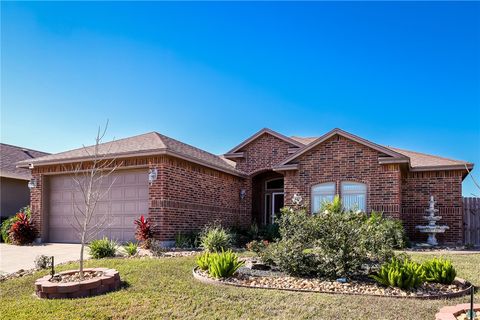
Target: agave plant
(224, 264)
(403, 274)
(439, 270)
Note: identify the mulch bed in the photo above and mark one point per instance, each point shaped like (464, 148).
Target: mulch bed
(275, 280)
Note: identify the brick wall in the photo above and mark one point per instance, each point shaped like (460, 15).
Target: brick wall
(340, 159)
(446, 187)
(263, 153)
(185, 196)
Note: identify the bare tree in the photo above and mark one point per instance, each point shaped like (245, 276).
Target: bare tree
(473, 179)
(91, 182)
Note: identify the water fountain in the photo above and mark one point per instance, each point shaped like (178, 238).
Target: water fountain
(432, 229)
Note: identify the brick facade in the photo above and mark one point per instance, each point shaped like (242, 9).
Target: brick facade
(184, 197)
(446, 187)
(187, 195)
(339, 159)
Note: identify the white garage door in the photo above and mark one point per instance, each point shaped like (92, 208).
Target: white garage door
(126, 200)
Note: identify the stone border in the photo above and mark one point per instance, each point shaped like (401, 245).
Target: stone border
(460, 293)
(109, 281)
(452, 312)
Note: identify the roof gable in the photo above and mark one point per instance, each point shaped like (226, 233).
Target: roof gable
(336, 131)
(259, 134)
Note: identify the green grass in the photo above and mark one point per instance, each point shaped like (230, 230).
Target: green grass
(165, 289)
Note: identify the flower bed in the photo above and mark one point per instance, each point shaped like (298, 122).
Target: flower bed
(68, 285)
(280, 281)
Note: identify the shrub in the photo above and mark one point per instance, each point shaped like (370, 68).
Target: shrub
(5, 229)
(143, 232)
(401, 273)
(7, 224)
(203, 261)
(187, 240)
(22, 231)
(332, 243)
(215, 238)
(102, 248)
(131, 248)
(224, 264)
(439, 270)
(157, 248)
(43, 262)
(257, 246)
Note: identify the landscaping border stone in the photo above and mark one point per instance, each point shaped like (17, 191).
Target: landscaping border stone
(109, 281)
(452, 312)
(198, 276)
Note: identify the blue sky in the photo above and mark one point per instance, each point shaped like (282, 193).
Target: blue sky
(403, 74)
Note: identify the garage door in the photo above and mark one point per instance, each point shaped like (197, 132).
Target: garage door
(126, 200)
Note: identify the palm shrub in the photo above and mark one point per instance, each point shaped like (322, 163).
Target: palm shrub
(401, 273)
(215, 238)
(223, 264)
(102, 248)
(439, 270)
(131, 248)
(143, 233)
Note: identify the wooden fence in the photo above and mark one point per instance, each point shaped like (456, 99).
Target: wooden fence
(471, 220)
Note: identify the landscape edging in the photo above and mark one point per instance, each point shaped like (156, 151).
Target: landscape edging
(460, 293)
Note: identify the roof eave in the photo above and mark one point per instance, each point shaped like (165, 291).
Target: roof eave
(465, 166)
(23, 164)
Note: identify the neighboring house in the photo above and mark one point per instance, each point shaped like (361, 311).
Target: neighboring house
(14, 192)
(250, 183)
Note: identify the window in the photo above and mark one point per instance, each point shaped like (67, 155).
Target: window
(323, 192)
(274, 184)
(354, 195)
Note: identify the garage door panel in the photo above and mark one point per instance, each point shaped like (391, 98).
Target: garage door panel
(125, 201)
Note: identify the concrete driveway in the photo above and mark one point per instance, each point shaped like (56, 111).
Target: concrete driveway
(14, 258)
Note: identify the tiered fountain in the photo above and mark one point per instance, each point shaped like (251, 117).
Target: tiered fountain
(432, 229)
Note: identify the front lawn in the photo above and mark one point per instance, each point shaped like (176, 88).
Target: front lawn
(164, 289)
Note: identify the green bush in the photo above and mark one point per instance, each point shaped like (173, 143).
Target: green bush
(439, 270)
(187, 240)
(400, 273)
(5, 229)
(203, 261)
(7, 224)
(131, 248)
(215, 238)
(223, 264)
(102, 248)
(332, 243)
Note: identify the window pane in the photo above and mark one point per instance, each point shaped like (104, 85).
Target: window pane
(275, 184)
(324, 192)
(354, 195)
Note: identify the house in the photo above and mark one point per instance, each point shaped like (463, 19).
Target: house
(190, 187)
(14, 192)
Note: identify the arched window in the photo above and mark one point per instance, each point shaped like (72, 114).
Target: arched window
(354, 195)
(323, 192)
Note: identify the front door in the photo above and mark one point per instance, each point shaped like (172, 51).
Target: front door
(273, 203)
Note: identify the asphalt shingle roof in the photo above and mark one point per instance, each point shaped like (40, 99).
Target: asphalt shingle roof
(10, 155)
(148, 143)
(417, 159)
